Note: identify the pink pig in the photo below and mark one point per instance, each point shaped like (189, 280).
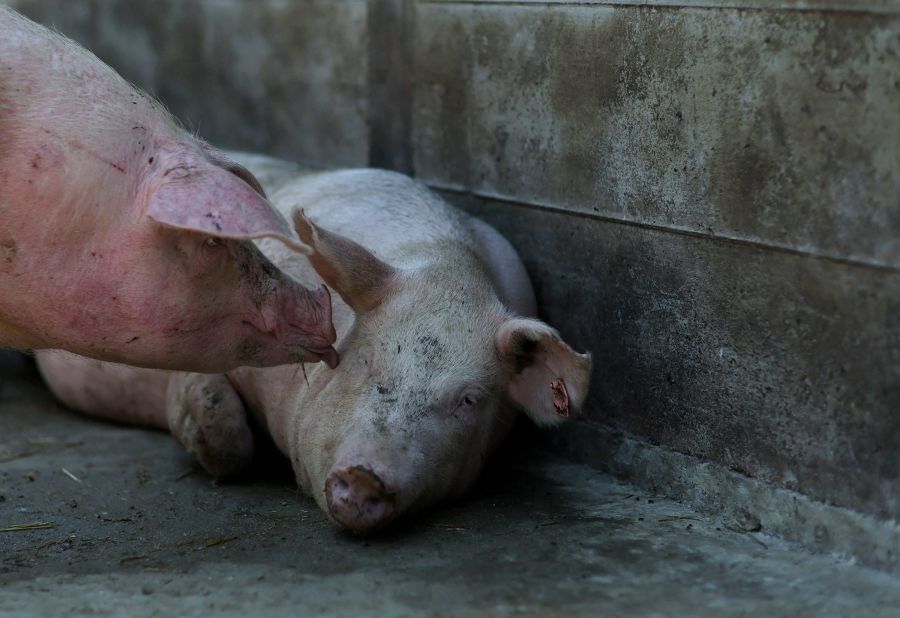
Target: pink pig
(122, 237)
(436, 346)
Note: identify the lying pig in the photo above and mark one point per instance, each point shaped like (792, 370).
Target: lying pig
(124, 238)
(434, 340)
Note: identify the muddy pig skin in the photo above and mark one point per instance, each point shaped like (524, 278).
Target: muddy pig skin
(124, 238)
(438, 354)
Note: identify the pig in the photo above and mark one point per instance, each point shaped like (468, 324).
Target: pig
(126, 239)
(439, 349)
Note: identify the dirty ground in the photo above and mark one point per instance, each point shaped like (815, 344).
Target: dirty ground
(115, 521)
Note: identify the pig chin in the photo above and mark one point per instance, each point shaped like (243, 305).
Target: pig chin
(258, 348)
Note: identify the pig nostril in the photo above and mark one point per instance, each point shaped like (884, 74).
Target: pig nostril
(375, 509)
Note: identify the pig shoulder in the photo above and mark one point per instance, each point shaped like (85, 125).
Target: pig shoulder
(387, 211)
(374, 206)
(383, 211)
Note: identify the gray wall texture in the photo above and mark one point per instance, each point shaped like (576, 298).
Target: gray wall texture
(706, 193)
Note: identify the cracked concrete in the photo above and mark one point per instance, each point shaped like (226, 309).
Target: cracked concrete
(132, 530)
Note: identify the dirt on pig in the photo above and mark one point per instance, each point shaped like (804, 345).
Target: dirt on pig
(8, 251)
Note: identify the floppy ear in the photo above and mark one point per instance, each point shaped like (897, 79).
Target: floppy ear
(216, 201)
(359, 277)
(222, 160)
(549, 380)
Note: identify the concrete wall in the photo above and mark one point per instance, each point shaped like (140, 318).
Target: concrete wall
(277, 76)
(707, 193)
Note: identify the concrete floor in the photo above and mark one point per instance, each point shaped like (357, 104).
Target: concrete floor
(139, 534)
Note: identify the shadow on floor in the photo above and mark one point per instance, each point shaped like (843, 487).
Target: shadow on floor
(117, 520)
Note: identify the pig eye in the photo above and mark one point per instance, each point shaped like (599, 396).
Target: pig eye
(467, 402)
(213, 242)
(465, 408)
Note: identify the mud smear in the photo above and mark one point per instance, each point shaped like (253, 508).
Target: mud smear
(8, 252)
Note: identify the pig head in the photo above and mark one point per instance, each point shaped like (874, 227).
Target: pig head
(434, 368)
(123, 237)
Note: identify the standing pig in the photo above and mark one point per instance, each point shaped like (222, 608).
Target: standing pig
(124, 238)
(434, 346)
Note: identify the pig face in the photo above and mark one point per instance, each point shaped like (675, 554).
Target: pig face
(175, 282)
(430, 365)
(222, 301)
(209, 288)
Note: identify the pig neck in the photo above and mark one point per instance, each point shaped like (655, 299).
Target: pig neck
(80, 147)
(274, 394)
(15, 338)
(65, 238)
(72, 129)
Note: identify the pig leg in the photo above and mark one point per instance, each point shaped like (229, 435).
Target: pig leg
(107, 390)
(203, 412)
(207, 416)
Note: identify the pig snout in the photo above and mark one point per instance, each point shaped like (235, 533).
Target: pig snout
(304, 323)
(358, 499)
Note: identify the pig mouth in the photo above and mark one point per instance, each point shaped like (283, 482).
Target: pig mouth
(327, 355)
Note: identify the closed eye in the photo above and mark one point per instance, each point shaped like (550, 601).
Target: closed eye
(467, 404)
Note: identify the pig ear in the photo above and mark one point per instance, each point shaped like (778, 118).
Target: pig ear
(215, 202)
(549, 379)
(220, 159)
(359, 277)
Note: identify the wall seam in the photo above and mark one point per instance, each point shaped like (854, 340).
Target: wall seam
(737, 6)
(680, 231)
(390, 84)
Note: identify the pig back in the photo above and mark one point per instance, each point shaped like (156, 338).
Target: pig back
(397, 218)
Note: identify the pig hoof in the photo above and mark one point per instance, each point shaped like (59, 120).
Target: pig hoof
(358, 499)
(207, 416)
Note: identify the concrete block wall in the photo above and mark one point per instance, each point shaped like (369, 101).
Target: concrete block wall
(706, 193)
